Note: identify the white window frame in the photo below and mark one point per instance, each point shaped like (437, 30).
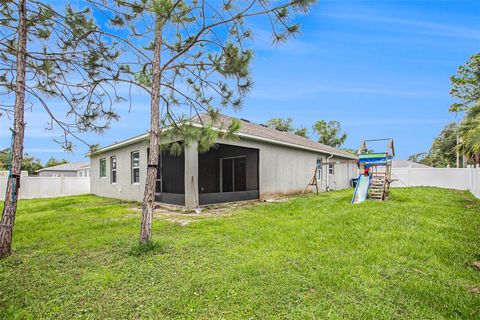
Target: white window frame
(331, 169)
(103, 159)
(319, 169)
(132, 168)
(113, 170)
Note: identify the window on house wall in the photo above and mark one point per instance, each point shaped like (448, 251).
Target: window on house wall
(135, 167)
(319, 168)
(331, 168)
(103, 168)
(113, 169)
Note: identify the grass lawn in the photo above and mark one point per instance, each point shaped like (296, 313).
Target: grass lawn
(314, 257)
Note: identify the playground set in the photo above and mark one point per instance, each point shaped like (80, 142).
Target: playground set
(375, 172)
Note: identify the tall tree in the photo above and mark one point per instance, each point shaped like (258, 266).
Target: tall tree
(418, 157)
(287, 126)
(30, 164)
(10, 204)
(50, 55)
(54, 162)
(330, 133)
(442, 153)
(281, 124)
(469, 135)
(466, 90)
(302, 131)
(190, 57)
(466, 85)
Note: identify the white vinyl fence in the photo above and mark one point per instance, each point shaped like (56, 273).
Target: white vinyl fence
(451, 178)
(48, 187)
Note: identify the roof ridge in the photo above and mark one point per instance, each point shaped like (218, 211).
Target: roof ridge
(251, 130)
(72, 166)
(291, 134)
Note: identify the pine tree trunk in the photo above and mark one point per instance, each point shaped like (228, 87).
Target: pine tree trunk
(10, 204)
(148, 204)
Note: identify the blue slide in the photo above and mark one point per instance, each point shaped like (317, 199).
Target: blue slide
(361, 190)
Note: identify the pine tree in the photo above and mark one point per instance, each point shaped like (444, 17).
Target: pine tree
(52, 54)
(191, 57)
(466, 85)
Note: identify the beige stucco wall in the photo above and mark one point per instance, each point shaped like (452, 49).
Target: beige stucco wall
(343, 172)
(123, 188)
(287, 170)
(282, 170)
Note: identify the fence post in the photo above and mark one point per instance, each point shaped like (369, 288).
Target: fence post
(62, 181)
(408, 176)
(470, 178)
(472, 171)
(475, 182)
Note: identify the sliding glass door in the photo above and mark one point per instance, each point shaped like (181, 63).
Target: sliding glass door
(233, 174)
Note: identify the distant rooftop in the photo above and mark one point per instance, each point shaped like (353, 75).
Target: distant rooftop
(407, 164)
(71, 166)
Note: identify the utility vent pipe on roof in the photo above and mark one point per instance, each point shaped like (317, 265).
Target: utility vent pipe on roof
(245, 120)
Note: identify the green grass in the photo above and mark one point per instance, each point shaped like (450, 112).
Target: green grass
(315, 257)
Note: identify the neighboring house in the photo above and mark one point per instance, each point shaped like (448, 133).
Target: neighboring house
(407, 164)
(84, 171)
(262, 163)
(72, 169)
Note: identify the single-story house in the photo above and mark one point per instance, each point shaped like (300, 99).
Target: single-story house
(71, 169)
(262, 163)
(84, 171)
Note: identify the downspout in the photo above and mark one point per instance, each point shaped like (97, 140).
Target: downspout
(328, 172)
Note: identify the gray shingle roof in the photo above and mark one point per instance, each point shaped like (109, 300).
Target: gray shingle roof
(71, 166)
(263, 132)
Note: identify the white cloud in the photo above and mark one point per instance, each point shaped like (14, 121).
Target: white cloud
(44, 150)
(418, 26)
(389, 121)
(262, 41)
(279, 93)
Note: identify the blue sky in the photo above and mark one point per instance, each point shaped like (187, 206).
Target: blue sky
(381, 68)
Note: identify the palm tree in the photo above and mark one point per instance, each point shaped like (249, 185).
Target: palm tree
(470, 134)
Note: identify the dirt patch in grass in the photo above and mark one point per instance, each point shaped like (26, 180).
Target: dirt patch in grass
(475, 290)
(183, 216)
(476, 265)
